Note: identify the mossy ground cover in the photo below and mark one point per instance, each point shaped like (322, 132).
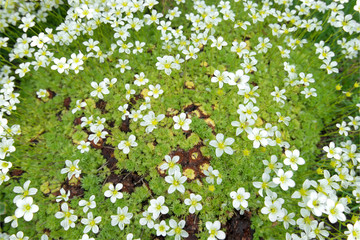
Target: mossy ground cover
(51, 132)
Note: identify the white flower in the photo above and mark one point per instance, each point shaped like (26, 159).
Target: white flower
(123, 65)
(78, 106)
(161, 228)
(91, 223)
(211, 175)
(332, 151)
(221, 78)
(140, 79)
(171, 164)
(147, 220)
(60, 65)
(100, 89)
(97, 133)
(222, 145)
(293, 159)
(86, 237)
(193, 202)
(122, 218)
(273, 208)
(353, 232)
(135, 115)
(283, 119)
(26, 208)
(284, 179)
(71, 169)
(177, 229)
(13, 219)
(24, 191)
(63, 195)
(258, 136)
(67, 214)
(151, 121)
(335, 211)
(343, 129)
(265, 184)
(166, 63)
(218, 43)
(125, 145)
(157, 206)
(155, 91)
(42, 93)
(176, 182)
(214, 230)
(279, 95)
(114, 192)
(182, 122)
(83, 146)
(129, 91)
(88, 204)
(19, 236)
(239, 198)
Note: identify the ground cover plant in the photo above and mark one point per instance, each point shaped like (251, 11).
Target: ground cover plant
(179, 119)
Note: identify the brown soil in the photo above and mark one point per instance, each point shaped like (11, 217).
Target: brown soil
(239, 227)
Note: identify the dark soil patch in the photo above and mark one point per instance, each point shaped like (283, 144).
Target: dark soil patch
(52, 94)
(67, 102)
(75, 189)
(101, 104)
(192, 226)
(125, 125)
(239, 227)
(16, 172)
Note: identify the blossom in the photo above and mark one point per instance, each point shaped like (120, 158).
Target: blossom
(218, 43)
(13, 219)
(258, 136)
(170, 164)
(100, 89)
(161, 228)
(88, 204)
(353, 231)
(335, 211)
(273, 208)
(125, 145)
(221, 78)
(26, 208)
(24, 191)
(151, 121)
(114, 192)
(182, 122)
(64, 196)
(140, 79)
(283, 119)
(157, 206)
(239, 198)
(67, 214)
(60, 65)
(166, 63)
(155, 91)
(72, 169)
(211, 175)
(147, 219)
(284, 179)
(19, 236)
(293, 159)
(129, 91)
(122, 218)
(265, 184)
(176, 182)
(177, 229)
(83, 146)
(222, 145)
(193, 202)
(97, 133)
(214, 230)
(79, 104)
(91, 223)
(279, 95)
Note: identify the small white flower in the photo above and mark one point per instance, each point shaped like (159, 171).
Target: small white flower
(176, 182)
(72, 169)
(83, 146)
(157, 206)
(147, 220)
(79, 104)
(182, 122)
(193, 202)
(293, 159)
(91, 223)
(122, 218)
(239, 198)
(155, 91)
(222, 145)
(64, 196)
(26, 208)
(114, 192)
(125, 145)
(171, 164)
(214, 230)
(177, 229)
(88, 204)
(284, 179)
(24, 191)
(161, 228)
(100, 89)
